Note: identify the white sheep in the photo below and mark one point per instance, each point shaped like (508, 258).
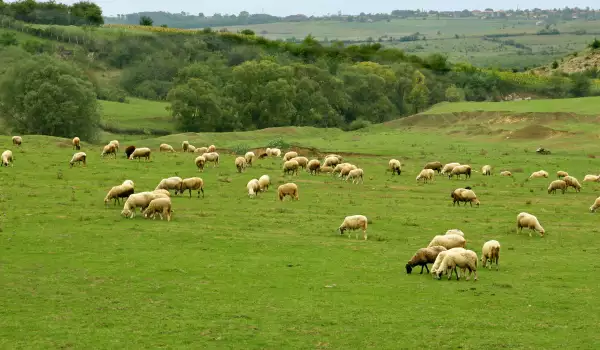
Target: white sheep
(240, 164)
(486, 170)
(7, 158)
(423, 257)
(596, 205)
(460, 170)
(201, 150)
(76, 143)
(395, 166)
(171, 183)
(289, 155)
(436, 166)
(160, 206)
(561, 173)
(291, 166)
(591, 178)
(79, 158)
(164, 147)
(185, 145)
(340, 158)
(108, 150)
(212, 149)
(529, 221)
(426, 175)
(264, 182)
(275, 152)
(139, 153)
(116, 143)
(505, 173)
(357, 175)
(464, 260)
(17, 140)
(448, 167)
(448, 241)
(200, 161)
(302, 161)
(464, 195)
(572, 182)
(438, 260)
(455, 231)
(557, 185)
(191, 148)
(141, 200)
(128, 182)
(491, 252)
(539, 174)
(288, 189)
(192, 184)
(313, 166)
(249, 156)
(331, 161)
(117, 192)
(211, 157)
(355, 222)
(253, 187)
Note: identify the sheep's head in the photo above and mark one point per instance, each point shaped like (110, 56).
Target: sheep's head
(126, 213)
(476, 201)
(408, 269)
(342, 229)
(592, 209)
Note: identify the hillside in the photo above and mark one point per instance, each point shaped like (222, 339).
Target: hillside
(576, 62)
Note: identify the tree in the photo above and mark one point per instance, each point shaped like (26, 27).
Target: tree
(454, 94)
(85, 12)
(146, 21)
(42, 95)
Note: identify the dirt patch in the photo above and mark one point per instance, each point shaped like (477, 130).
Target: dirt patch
(537, 131)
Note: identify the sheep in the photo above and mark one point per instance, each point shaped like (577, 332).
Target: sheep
(118, 192)
(539, 174)
(171, 183)
(438, 260)
(264, 182)
(464, 260)
(331, 161)
(291, 166)
(116, 143)
(486, 170)
(201, 150)
(340, 158)
(185, 145)
(591, 178)
(448, 241)
(436, 166)
(460, 170)
(253, 187)
(265, 154)
(395, 166)
(557, 185)
(78, 157)
(108, 150)
(426, 175)
(595, 205)
(561, 173)
(192, 184)
(76, 143)
(491, 252)
(200, 161)
(423, 257)
(139, 153)
(129, 150)
(141, 200)
(275, 152)
(160, 206)
(326, 169)
(7, 158)
(240, 164)
(313, 166)
(529, 221)
(355, 222)
(572, 182)
(165, 148)
(288, 189)
(128, 182)
(289, 156)
(17, 140)
(249, 156)
(356, 175)
(302, 161)
(464, 195)
(505, 173)
(212, 157)
(346, 169)
(212, 149)
(191, 148)
(448, 167)
(455, 231)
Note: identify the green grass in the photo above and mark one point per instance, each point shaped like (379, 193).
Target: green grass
(231, 272)
(137, 114)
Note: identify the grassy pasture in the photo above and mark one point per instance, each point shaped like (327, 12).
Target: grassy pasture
(232, 272)
(137, 114)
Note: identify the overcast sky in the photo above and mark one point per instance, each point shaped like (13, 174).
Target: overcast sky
(318, 7)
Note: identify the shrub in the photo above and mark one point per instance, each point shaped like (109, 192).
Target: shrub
(359, 124)
(278, 143)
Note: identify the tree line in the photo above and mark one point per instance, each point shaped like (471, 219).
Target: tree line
(30, 11)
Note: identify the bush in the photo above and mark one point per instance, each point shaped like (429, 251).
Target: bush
(240, 149)
(554, 65)
(595, 44)
(278, 143)
(359, 124)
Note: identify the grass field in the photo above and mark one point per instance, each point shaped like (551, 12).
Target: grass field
(137, 114)
(234, 272)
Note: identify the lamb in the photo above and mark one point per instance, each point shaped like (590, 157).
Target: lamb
(455, 231)
(448, 167)
(591, 178)
(395, 166)
(160, 206)
(212, 157)
(129, 150)
(200, 161)
(78, 157)
(185, 145)
(505, 173)
(572, 182)
(165, 148)
(464, 195)
(192, 184)
(191, 148)
(139, 153)
(118, 192)
(212, 149)
(291, 166)
(240, 164)
(557, 185)
(275, 152)
(438, 260)
(595, 206)
(264, 182)
(17, 140)
(249, 156)
(356, 175)
(464, 260)
(290, 155)
(426, 175)
(539, 174)
(491, 252)
(253, 187)
(460, 170)
(436, 166)
(76, 143)
(331, 161)
(7, 158)
(561, 173)
(108, 150)
(171, 183)
(355, 222)
(486, 170)
(201, 150)
(313, 166)
(448, 241)
(141, 200)
(302, 161)
(288, 189)
(423, 257)
(529, 221)
(116, 143)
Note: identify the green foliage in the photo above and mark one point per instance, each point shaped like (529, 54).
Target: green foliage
(280, 143)
(454, 94)
(247, 32)
(146, 21)
(42, 95)
(595, 44)
(359, 124)
(8, 39)
(581, 85)
(240, 149)
(80, 13)
(554, 65)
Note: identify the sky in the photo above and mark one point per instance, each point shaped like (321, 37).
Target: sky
(318, 7)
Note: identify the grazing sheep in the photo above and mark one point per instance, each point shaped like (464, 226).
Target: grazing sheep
(313, 166)
(395, 166)
(464, 195)
(302, 161)
(17, 140)
(116, 143)
(505, 173)
(426, 175)
(557, 185)
(491, 252)
(264, 182)
(326, 169)
(171, 183)
(346, 169)
(561, 173)
(486, 170)
(460, 170)
(78, 157)
(129, 150)
(141, 200)
(191, 148)
(249, 156)
(212, 157)
(455, 231)
(448, 167)
(76, 143)
(212, 149)
(108, 150)
(464, 260)
(185, 145)
(139, 153)
(290, 155)
(596, 205)
(355, 222)
(253, 187)
(529, 221)
(192, 184)
(7, 158)
(331, 161)
(340, 158)
(240, 164)
(288, 189)
(423, 257)
(201, 150)
(435, 166)
(128, 182)
(291, 166)
(591, 178)
(200, 161)
(572, 182)
(160, 206)
(166, 148)
(448, 241)
(275, 152)
(356, 175)
(539, 174)
(118, 192)
(438, 260)
(264, 154)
